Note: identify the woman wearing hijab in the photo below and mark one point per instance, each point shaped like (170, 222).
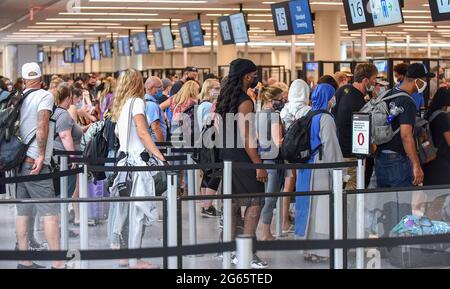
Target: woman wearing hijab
(312, 213)
(297, 107)
(437, 172)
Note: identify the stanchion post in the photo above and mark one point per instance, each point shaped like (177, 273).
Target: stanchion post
(360, 184)
(84, 237)
(172, 216)
(338, 218)
(244, 251)
(192, 209)
(279, 220)
(227, 203)
(64, 186)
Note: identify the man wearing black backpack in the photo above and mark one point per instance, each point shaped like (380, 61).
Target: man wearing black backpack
(397, 161)
(35, 128)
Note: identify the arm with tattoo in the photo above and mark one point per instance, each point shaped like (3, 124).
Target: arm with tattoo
(42, 130)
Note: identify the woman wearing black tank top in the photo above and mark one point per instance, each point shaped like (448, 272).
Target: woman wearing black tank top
(233, 100)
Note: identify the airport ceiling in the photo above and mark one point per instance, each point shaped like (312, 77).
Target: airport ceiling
(50, 21)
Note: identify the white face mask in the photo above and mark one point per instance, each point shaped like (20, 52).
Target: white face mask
(382, 90)
(370, 88)
(421, 90)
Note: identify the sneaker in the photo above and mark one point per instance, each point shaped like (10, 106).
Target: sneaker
(32, 266)
(257, 263)
(209, 213)
(234, 259)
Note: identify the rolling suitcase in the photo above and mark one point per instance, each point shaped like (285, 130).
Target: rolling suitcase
(97, 212)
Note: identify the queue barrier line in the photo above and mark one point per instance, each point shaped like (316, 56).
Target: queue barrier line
(82, 200)
(100, 161)
(395, 190)
(41, 177)
(286, 245)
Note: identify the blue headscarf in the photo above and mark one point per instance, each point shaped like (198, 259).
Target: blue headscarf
(321, 96)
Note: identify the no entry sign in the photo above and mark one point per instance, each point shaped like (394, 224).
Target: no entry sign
(361, 134)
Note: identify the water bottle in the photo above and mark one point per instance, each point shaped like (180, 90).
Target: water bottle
(394, 111)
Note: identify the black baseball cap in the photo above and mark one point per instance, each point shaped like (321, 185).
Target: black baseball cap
(418, 70)
(191, 69)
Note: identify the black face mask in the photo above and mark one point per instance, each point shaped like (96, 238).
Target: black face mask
(278, 105)
(190, 79)
(441, 76)
(254, 83)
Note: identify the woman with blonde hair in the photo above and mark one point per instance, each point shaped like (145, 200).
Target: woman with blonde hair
(179, 104)
(136, 149)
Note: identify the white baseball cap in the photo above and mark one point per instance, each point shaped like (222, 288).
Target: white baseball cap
(31, 71)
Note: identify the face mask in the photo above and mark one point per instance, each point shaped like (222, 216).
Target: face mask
(159, 93)
(98, 83)
(254, 82)
(278, 105)
(382, 90)
(79, 104)
(421, 90)
(441, 76)
(214, 93)
(370, 88)
(10, 87)
(190, 79)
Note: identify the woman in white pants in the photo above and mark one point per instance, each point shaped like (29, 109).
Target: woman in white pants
(136, 147)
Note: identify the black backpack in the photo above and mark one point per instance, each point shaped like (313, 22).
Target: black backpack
(296, 147)
(12, 149)
(97, 148)
(208, 154)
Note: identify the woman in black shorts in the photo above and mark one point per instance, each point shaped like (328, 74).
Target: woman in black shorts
(234, 100)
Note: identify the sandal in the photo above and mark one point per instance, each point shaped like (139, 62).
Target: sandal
(316, 259)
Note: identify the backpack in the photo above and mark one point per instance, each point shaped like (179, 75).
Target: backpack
(426, 150)
(90, 133)
(296, 147)
(188, 123)
(12, 149)
(378, 109)
(207, 153)
(97, 148)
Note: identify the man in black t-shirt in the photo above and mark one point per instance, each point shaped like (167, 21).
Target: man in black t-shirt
(189, 73)
(397, 162)
(350, 99)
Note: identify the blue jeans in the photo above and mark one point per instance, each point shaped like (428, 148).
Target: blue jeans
(274, 183)
(393, 170)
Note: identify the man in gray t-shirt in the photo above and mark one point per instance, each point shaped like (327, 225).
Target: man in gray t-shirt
(35, 121)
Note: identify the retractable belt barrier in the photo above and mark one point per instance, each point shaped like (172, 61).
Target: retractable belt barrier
(278, 245)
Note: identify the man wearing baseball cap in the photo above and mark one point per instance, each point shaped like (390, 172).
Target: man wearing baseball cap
(397, 162)
(35, 128)
(189, 73)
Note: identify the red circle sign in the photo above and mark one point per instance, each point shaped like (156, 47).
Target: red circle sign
(361, 139)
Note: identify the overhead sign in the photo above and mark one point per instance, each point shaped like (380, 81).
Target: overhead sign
(440, 10)
(292, 18)
(225, 30)
(362, 14)
(361, 134)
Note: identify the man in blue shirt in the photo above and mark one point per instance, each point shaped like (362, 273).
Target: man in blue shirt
(400, 73)
(154, 114)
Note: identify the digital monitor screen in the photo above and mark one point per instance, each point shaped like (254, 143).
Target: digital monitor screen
(381, 65)
(40, 56)
(95, 51)
(167, 38)
(140, 43)
(185, 35)
(196, 32)
(386, 12)
(312, 66)
(292, 18)
(68, 55)
(361, 14)
(225, 30)
(440, 10)
(123, 46)
(106, 49)
(157, 38)
(239, 27)
(79, 54)
(357, 14)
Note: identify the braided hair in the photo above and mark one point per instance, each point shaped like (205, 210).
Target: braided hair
(227, 102)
